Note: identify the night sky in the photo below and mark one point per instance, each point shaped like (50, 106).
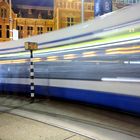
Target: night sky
(48, 3)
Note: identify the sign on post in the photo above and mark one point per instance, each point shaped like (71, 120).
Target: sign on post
(31, 46)
(15, 34)
(102, 6)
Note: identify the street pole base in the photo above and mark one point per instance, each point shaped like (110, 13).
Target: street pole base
(32, 100)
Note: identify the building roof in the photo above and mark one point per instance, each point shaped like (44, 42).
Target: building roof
(33, 8)
(48, 3)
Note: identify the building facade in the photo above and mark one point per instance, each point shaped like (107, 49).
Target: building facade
(28, 20)
(32, 20)
(68, 12)
(117, 4)
(4, 21)
(36, 19)
(127, 1)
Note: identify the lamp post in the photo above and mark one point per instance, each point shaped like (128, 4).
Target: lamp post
(10, 20)
(82, 11)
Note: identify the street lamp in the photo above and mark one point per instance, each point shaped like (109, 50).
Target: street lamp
(10, 20)
(82, 11)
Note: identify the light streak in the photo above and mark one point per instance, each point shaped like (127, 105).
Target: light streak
(36, 59)
(52, 58)
(123, 49)
(89, 54)
(13, 61)
(70, 56)
(124, 52)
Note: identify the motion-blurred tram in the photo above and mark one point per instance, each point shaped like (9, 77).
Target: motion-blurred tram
(97, 62)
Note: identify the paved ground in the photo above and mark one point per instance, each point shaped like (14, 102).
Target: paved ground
(86, 120)
(18, 128)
